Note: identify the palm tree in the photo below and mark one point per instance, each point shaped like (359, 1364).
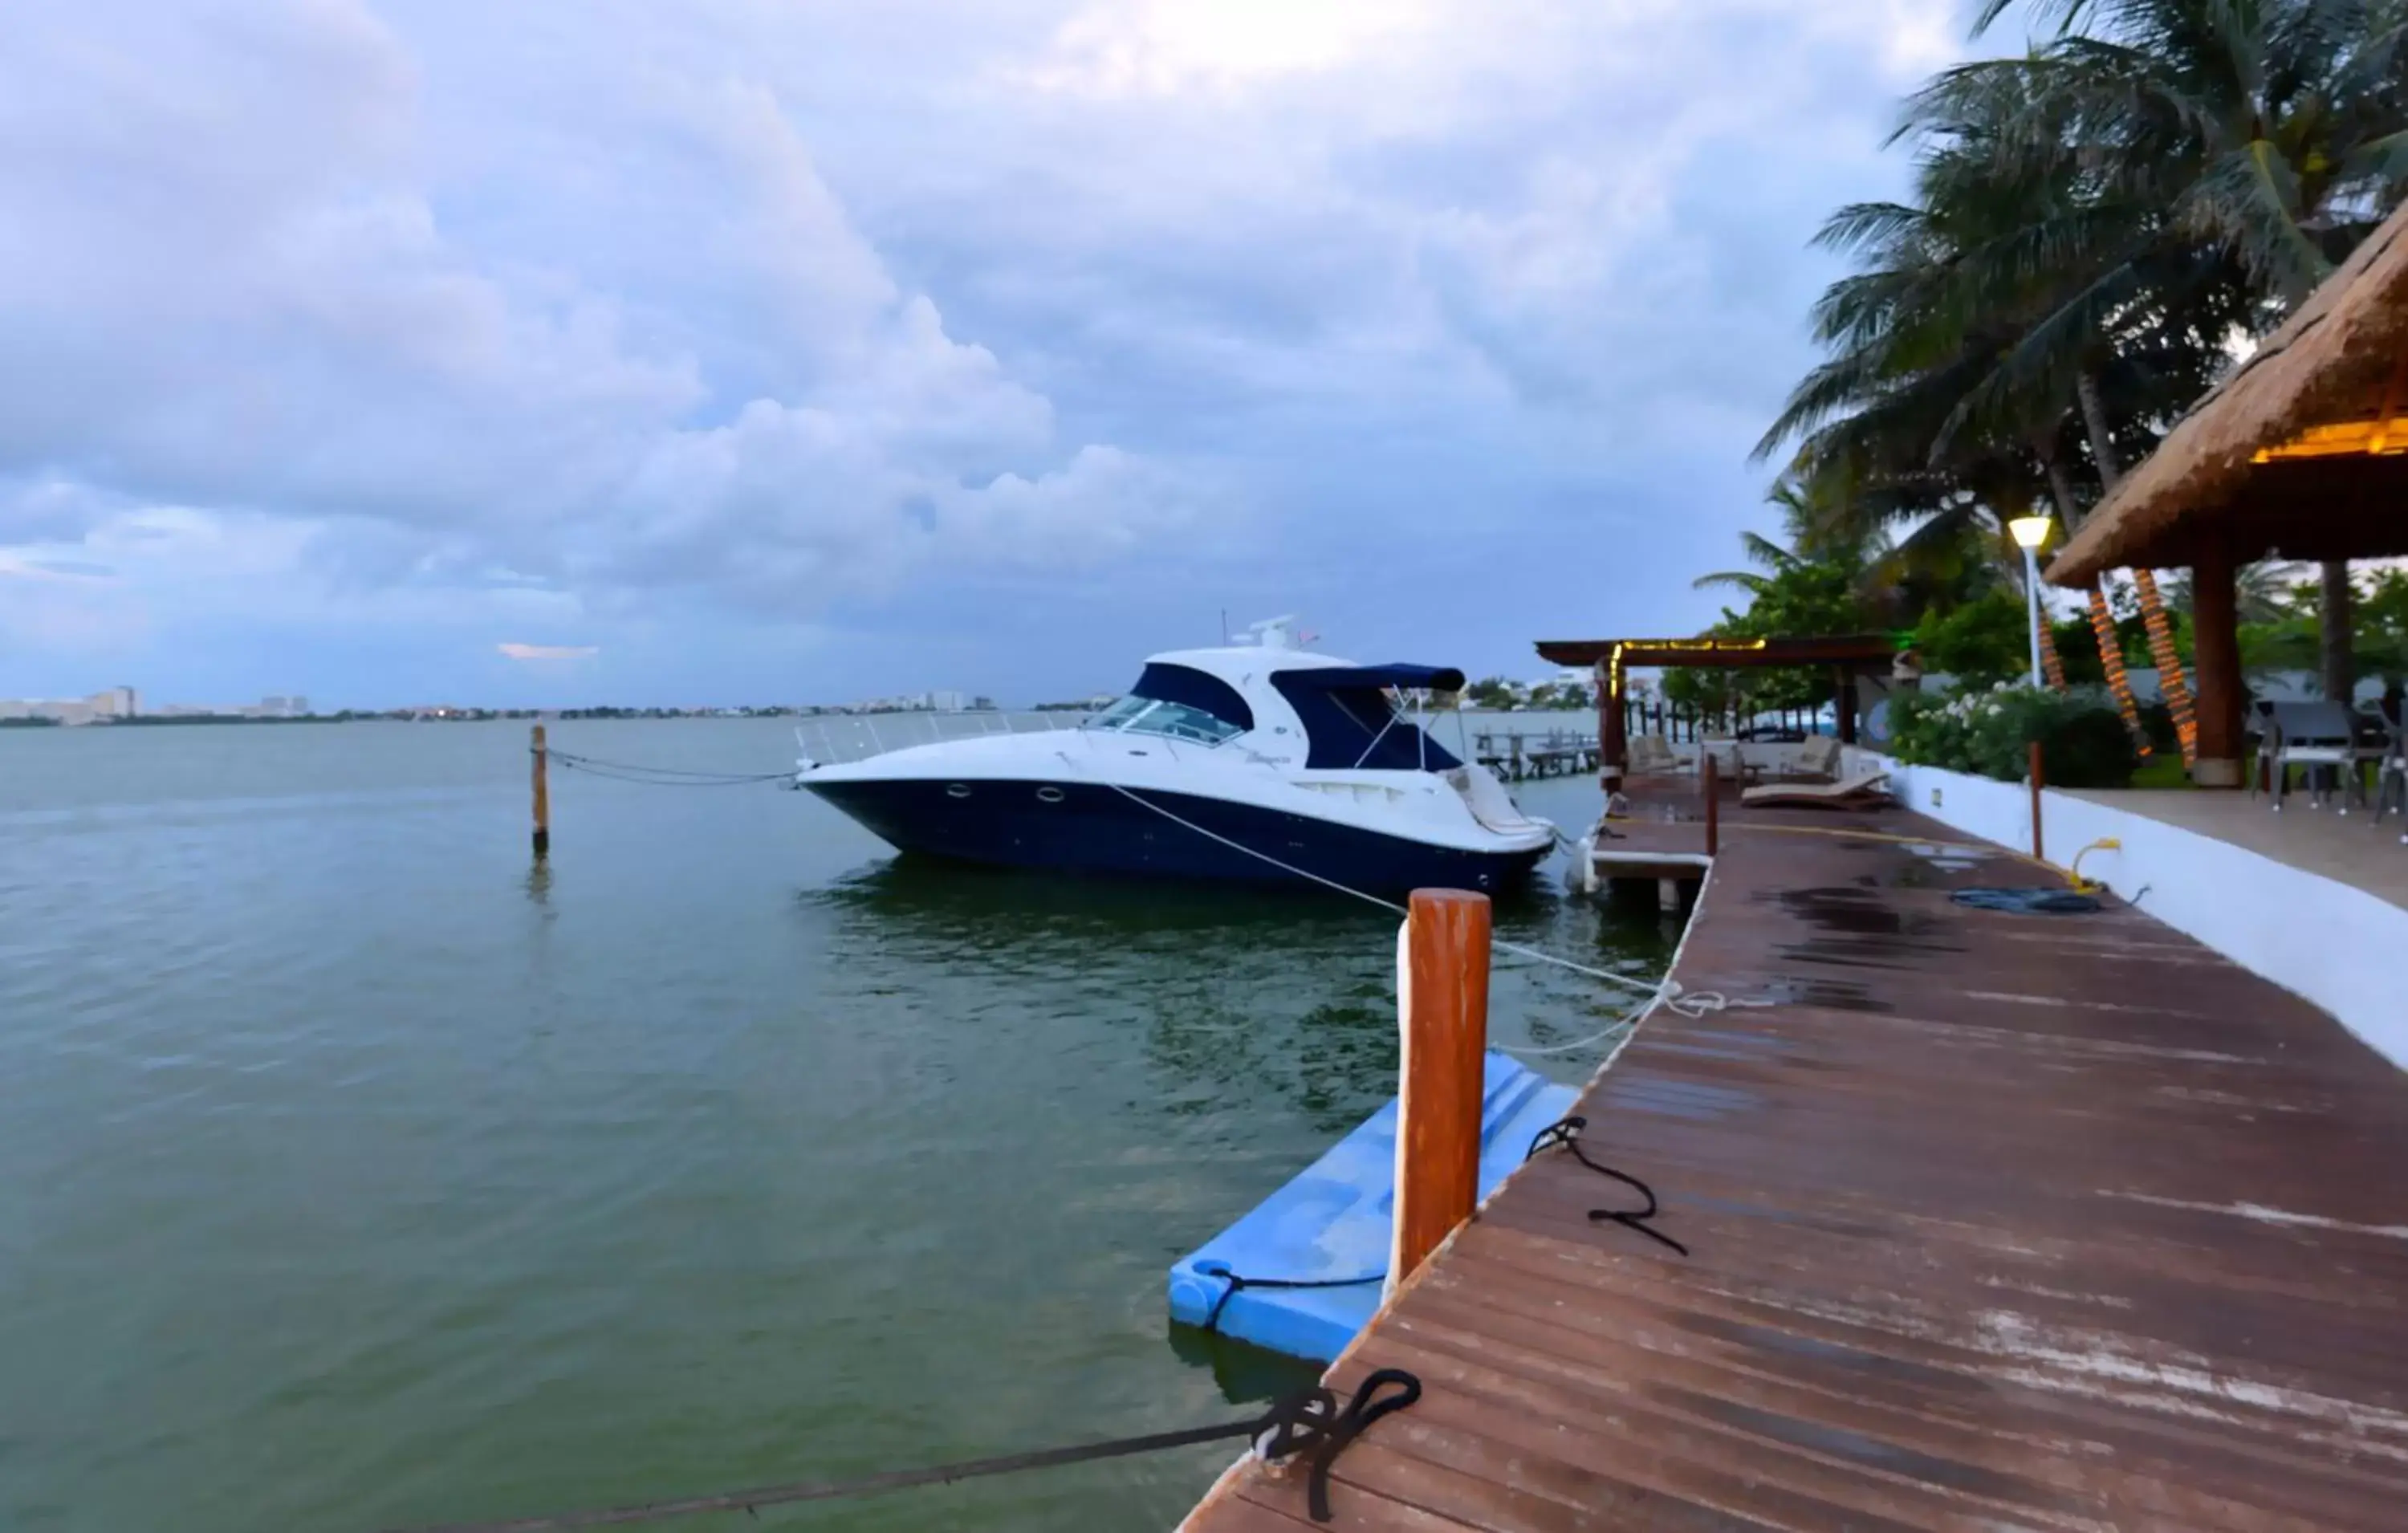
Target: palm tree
(2263, 137)
(1911, 398)
(1942, 563)
(1815, 533)
(2095, 223)
(2111, 322)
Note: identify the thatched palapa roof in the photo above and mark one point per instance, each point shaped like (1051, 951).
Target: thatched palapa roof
(2301, 453)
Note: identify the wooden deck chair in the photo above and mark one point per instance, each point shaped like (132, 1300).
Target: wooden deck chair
(1866, 790)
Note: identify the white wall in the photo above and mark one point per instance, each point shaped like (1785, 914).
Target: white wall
(2339, 948)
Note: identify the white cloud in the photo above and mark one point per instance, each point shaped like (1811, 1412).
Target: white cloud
(548, 651)
(1163, 47)
(575, 317)
(227, 283)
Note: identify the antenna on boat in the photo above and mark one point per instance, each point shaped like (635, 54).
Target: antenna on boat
(1225, 627)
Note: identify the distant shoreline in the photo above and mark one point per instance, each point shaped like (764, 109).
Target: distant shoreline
(485, 715)
(477, 715)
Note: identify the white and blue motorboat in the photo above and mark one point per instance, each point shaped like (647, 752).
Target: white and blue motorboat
(1254, 762)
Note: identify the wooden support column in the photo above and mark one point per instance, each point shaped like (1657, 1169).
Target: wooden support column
(2215, 634)
(1613, 739)
(1443, 994)
(1846, 708)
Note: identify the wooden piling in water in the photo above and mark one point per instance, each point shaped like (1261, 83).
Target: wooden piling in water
(1442, 993)
(542, 795)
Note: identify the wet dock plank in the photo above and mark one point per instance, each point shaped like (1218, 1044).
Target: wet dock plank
(1995, 1222)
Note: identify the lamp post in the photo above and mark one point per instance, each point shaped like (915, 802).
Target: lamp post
(2030, 533)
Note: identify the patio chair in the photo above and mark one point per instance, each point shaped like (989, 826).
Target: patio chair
(2371, 746)
(2320, 736)
(2391, 777)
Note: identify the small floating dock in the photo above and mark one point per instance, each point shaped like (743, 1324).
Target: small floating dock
(1994, 1222)
(1303, 1272)
(1663, 839)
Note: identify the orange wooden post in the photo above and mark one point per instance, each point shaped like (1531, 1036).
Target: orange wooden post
(542, 796)
(1442, 993)
(2039, 780)
(1713, 802)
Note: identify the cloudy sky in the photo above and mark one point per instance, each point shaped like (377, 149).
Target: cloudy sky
(656, 350)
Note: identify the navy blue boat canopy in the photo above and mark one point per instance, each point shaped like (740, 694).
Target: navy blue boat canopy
(1425, 678)
(1348, 720)
(1195, 688)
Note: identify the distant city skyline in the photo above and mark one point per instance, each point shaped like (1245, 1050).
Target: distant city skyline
(125, 702)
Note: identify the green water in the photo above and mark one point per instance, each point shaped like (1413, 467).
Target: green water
(351, 1175)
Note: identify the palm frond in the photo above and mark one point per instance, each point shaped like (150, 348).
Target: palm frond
(1736, 580)
(2247, 200)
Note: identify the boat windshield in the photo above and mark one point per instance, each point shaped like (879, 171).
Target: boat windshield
(1154, 716)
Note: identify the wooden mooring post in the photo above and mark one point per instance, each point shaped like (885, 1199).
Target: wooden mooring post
(542, 795)
(1442, 998)
(1712, 775)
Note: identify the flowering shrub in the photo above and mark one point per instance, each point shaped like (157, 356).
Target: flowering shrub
(2084, 743)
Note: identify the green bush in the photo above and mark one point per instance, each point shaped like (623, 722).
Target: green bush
(2083, 741)
(1980, 642)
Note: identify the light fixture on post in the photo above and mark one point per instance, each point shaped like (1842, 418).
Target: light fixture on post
(2030, 533)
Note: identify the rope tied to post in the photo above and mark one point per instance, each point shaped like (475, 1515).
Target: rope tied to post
(1308, 1423)
(658, 777)
(1565, 1135)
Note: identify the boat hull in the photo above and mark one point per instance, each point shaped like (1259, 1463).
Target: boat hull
(1091, 827)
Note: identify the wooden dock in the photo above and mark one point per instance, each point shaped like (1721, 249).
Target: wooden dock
(1519, 757)
(1995, 1222)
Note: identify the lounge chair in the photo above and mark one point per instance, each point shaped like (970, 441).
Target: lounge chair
(1820, 758)
(1652, 755)
(1866, 790)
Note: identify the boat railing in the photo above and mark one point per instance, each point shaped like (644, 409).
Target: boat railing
(825, 739)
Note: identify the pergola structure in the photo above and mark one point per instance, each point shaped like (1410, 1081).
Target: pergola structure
(2302, 453)
(1846, 653)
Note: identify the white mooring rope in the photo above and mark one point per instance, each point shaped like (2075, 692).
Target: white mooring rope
(1669, 993)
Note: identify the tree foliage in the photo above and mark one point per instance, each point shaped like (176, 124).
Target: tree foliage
(2289, 627)
(1824, 583)
(2093, 223)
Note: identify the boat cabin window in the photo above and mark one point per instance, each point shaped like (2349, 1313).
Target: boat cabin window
(1181, 703)
(1153, 716)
